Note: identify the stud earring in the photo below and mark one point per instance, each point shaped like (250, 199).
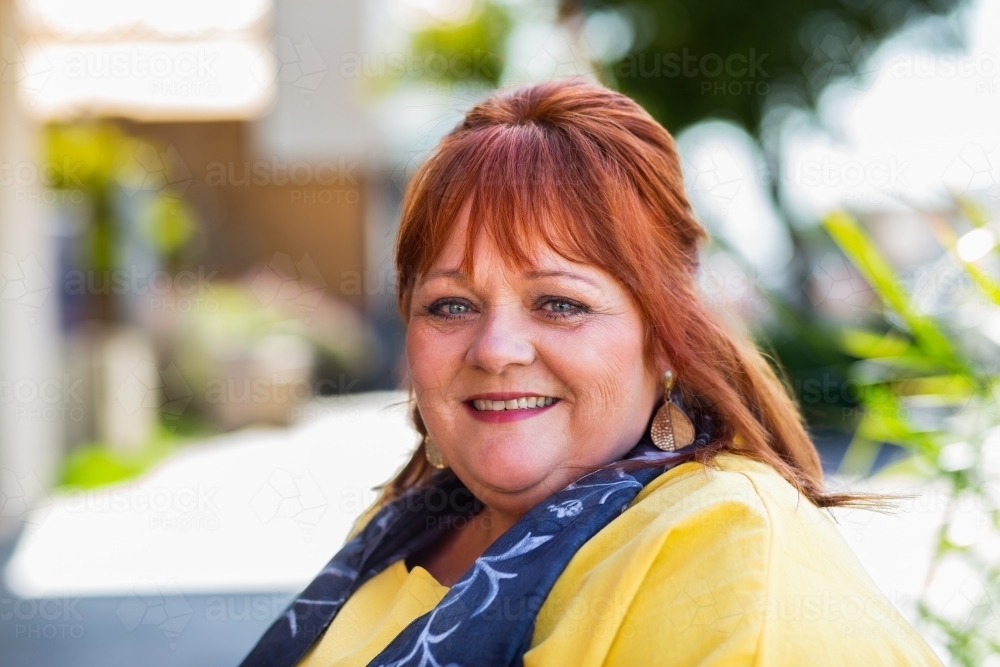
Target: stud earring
(671, 429)
(433, 454)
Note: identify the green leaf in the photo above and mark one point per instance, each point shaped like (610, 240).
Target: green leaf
(853, 241)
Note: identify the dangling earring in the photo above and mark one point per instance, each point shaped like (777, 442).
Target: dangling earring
(433, 454)
(671, 428)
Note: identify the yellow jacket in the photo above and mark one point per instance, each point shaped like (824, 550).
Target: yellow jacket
(723, 565)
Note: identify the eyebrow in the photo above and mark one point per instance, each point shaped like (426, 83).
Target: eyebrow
(531, 275)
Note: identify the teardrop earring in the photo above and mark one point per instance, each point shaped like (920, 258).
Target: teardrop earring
(433, 454)
(671, 429)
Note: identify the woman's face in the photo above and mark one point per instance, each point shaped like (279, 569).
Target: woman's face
(560, 333)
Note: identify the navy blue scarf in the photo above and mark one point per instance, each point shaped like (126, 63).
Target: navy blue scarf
(488, 616)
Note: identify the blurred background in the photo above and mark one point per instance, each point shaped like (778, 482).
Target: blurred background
(199, 347)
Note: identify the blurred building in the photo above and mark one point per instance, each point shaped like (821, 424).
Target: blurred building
(238, 116)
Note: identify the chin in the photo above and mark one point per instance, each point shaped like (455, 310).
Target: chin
(511, 469)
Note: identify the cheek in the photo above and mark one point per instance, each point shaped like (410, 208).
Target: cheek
(607, 376)
(434, 358)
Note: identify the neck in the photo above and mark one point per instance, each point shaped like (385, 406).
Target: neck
(493, 523)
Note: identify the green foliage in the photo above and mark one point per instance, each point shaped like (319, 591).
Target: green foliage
(169, 225)
(96, 464)
(876, 270)
(98, 160)
(922, 389)
(468, 51)
(680, 68)
(83, 155)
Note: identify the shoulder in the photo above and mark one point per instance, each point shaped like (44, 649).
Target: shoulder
(729, 564)
(728, 478)
(731, 483)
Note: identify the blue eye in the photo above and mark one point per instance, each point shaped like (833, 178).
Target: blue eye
(448, 309)
(562, 309)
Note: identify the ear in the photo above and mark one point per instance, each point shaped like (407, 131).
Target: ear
(661, 363)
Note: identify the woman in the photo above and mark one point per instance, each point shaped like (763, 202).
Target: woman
(608, 475)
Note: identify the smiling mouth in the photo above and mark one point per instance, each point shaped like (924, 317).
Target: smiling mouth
(521, 403)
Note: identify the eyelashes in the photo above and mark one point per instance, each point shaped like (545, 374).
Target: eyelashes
(451, 309)
(435, 309)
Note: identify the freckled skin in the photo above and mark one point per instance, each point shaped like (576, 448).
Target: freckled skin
(503, 330)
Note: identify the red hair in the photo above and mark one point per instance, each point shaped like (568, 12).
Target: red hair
(588, 172)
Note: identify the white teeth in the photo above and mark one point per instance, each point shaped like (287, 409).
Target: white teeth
(522, 403)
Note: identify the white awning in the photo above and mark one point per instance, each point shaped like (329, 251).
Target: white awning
(143, 59)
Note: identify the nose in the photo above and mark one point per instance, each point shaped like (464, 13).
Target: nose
(501, 341)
